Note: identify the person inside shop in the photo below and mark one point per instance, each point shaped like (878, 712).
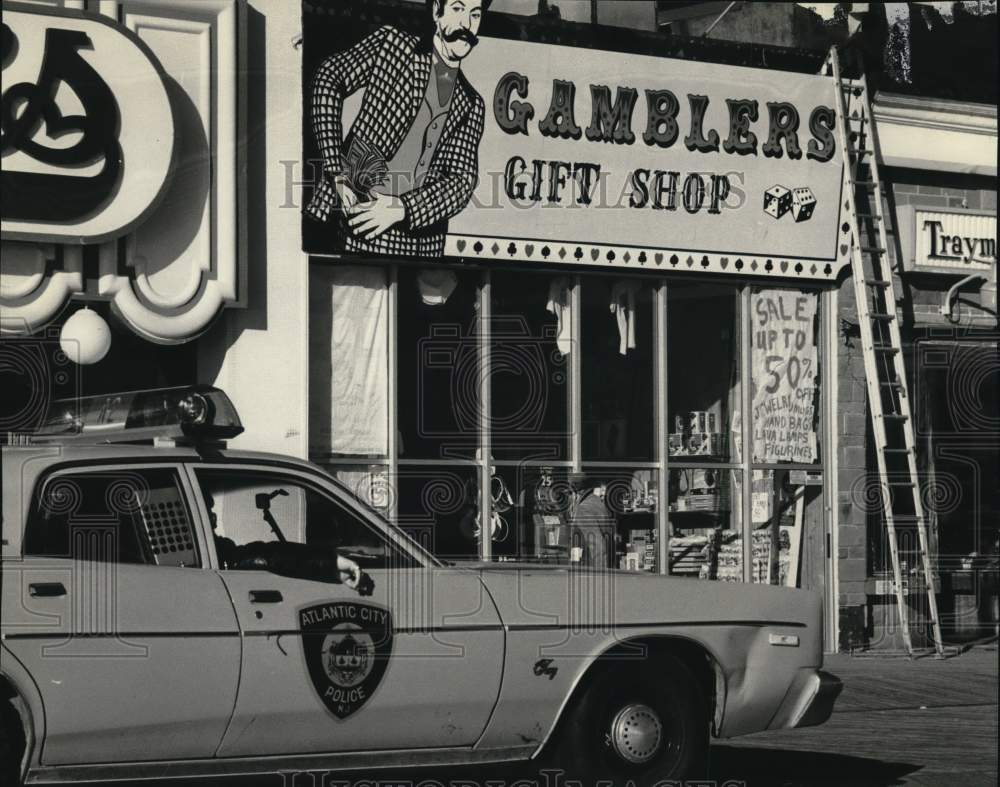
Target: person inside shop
(591, 525)
(298, 561)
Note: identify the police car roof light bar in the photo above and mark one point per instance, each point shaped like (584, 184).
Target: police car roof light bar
(192, 414)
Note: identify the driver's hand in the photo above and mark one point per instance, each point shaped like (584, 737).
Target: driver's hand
(350, 572)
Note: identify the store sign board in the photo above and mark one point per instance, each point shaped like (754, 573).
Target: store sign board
(88, 129)
(585, 157)
(784, 377)
(948, 242)
(653, 154)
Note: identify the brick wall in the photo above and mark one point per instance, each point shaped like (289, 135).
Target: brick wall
(922, 295)
(851, 428)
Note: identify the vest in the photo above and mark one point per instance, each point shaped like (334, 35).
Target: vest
(408, 168)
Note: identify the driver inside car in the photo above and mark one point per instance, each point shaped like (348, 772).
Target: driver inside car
(299, 561)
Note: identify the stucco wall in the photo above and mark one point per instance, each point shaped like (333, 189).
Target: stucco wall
(259, 354)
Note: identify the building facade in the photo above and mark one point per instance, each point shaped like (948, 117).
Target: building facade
(632, 345)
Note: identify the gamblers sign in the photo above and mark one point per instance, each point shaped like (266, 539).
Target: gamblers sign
(347, 648)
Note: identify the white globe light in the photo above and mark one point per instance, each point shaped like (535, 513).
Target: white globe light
(85, 337)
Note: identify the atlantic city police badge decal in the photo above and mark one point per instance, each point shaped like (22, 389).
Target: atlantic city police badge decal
(347, 647)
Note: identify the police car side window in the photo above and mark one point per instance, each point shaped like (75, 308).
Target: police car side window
(125, 516)
(248, 508)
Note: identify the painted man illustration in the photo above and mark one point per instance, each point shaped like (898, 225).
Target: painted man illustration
(410, 161)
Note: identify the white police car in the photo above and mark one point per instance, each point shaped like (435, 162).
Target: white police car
(173, 608)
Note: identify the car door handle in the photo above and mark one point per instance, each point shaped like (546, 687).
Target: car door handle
(265, 597)
(46, 589)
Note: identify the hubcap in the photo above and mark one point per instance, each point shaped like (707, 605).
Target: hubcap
(636, 733)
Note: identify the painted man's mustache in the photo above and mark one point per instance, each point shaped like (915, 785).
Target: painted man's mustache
(461, 35)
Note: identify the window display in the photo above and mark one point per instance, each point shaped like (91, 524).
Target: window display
(616, 432)
(437, 359)
(617, 369)
(706, 532)
(438, 506)
(703, 334)
(530, 344)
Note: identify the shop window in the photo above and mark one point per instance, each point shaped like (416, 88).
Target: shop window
(513, 529)
(629, 498)
(369, 484)
(703, 372)
(348, 361)
(126, 516)
(787, 509)
(438, 506)
(530, 343)
(437, 388)
(706, 539)
(784, 334)
(597, 518)
(617, 369)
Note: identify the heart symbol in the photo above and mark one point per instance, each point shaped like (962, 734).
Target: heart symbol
(843, 248)
(461, 245)
(724, 262)
(594, 254)
(529, 249)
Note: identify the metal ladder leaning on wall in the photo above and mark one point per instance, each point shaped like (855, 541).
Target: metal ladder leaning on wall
(885, 371)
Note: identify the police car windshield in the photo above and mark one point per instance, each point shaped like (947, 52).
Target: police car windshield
(399, 532)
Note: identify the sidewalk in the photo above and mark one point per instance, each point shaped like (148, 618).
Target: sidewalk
(923, 722)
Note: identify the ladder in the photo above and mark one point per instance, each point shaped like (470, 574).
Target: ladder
(885, 371)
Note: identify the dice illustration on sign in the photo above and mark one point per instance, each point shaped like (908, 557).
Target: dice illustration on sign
(777, 201)
(803, 204)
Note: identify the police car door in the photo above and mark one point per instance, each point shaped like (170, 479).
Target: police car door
(129, 636)
(417, 663)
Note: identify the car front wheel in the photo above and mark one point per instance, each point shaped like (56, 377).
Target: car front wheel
(639, 724)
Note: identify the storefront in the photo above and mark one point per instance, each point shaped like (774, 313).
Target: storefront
(629, 344)
(941, 166)
(627, 325)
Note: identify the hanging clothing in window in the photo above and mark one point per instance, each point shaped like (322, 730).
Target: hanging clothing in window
(623, 295)
(436, 285)
(559, 305)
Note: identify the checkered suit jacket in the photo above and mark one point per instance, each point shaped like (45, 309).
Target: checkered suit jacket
(394, 74)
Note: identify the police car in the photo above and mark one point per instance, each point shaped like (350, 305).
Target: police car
(175, 608)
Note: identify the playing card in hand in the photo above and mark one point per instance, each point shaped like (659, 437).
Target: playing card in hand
(365, 168)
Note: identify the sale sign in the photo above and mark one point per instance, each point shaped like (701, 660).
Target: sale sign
(784, 375)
